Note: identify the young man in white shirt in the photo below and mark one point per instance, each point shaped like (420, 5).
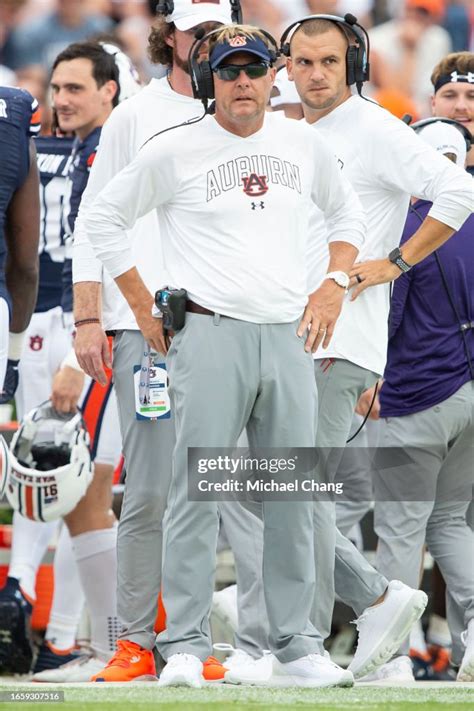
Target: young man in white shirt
(242, 263)
(386, 163)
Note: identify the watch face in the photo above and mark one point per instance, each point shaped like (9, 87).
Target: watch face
(395, 255)
(341, 278)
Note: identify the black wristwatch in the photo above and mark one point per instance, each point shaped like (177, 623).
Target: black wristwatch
(395, 257)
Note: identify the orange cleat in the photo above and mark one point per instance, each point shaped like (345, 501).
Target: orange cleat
(129, 663)
(213, 671)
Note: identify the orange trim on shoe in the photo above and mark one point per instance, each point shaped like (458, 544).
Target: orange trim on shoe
(61, 652)
(440, 657)
(213, 671)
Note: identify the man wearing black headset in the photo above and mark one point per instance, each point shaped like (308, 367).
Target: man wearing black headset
(386, 163)
(233, 203)
(148, 445)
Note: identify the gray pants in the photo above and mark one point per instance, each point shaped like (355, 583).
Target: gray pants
(443, 466)
(148, 449)
(244, 532)
(227, 374)
(338, 562)
(355, 470)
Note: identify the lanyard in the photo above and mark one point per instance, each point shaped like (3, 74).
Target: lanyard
(146, 364)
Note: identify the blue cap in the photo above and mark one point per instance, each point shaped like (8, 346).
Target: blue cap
(240, 43)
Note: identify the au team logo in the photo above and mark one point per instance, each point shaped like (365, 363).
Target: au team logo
(255, 185)
(238, 41)
(36, 343)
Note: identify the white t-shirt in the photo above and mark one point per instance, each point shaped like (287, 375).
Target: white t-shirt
(130, 125)
(386, 163)
(233, 214)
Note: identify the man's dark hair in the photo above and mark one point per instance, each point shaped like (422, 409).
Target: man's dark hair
(104, 68)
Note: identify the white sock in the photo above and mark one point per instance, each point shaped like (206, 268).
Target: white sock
(417, 638)
(29, 544)
(96, 558)
(438, 631)
(68, 598)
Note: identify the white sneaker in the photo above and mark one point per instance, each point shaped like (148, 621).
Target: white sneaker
(80, 669)
(244, 669)
(182, 670)
(399, 669)
(224, 607)
(466, 670)
(312, 671)
(383, 628)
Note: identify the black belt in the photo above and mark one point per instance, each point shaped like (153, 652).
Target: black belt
(194, 308)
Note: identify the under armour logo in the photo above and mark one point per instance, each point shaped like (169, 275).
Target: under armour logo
(261, 205)
(469, 77)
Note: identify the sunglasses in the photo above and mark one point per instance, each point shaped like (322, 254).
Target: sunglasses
(231, 72)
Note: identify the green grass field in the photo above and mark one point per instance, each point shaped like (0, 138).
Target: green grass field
(141, 698)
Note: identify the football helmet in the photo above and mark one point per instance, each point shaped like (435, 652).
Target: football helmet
(4, 465)
(50, 464)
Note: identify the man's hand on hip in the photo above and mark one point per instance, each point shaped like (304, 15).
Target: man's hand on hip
(365, 274)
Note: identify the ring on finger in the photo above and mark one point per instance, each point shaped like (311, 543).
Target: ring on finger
(359, 278)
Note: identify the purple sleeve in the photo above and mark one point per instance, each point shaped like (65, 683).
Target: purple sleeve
(401, 286)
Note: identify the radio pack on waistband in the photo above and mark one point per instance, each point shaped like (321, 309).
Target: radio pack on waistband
(171, 303)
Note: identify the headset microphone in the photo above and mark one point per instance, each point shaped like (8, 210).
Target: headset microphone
(350, 19)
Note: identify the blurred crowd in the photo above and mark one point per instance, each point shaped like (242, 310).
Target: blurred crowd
(408, 37)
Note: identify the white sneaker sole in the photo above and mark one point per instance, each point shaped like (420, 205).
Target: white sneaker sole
(180, 679)
(237, 679)
(466, 673)
(398, 678)
(54, 676)
(394, 635)
(144, 677)
(346, 680)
